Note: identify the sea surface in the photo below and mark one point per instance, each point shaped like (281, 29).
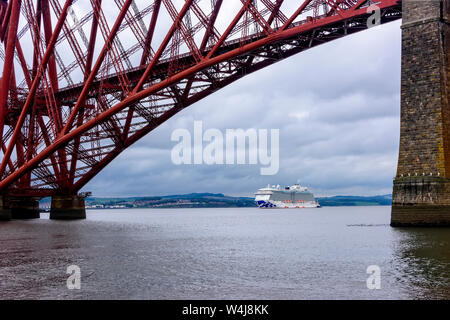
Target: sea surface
(245, 253)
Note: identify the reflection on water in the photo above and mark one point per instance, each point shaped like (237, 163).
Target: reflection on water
(224, 254)
(422, 262)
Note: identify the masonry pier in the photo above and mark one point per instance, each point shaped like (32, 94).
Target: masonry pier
(421, 195)
(5, 211)
(23, 207)
(68, 207)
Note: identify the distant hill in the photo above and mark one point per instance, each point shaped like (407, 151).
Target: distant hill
(338, 201)
(192, 200)
(215, 200)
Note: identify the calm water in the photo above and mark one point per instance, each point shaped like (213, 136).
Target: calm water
(224, 254)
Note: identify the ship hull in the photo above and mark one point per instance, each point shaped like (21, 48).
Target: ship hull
(281, 205)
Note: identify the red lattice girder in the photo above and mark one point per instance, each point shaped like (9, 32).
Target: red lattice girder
(83, 80)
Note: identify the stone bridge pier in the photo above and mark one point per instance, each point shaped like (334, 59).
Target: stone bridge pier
(421, 195)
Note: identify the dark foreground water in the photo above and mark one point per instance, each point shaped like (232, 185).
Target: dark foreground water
(224, 254)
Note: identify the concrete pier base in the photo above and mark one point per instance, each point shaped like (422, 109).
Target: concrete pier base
(5, 212)
(420, 216)
(71, 207)
(23, 207)
(421, 202)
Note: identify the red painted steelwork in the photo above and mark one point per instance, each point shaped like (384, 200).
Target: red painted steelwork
(75, 93)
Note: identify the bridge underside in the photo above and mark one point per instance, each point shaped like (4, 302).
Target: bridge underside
(57, 135)
(80, 84)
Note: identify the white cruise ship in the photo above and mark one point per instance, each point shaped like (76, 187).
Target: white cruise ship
(294, 196)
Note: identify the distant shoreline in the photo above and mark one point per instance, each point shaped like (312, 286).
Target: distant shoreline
(214, 200)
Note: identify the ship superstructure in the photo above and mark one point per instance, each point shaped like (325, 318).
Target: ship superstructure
(295, 196)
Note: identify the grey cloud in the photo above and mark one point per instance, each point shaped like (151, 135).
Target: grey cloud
(337, 107)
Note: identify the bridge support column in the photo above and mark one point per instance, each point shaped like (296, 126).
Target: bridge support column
(23, 207)
(5, 211)
(68, 207)
(421, 195)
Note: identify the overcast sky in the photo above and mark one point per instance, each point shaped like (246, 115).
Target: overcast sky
(337, 108)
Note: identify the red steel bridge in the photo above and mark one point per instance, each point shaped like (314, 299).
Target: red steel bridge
(82, 80)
